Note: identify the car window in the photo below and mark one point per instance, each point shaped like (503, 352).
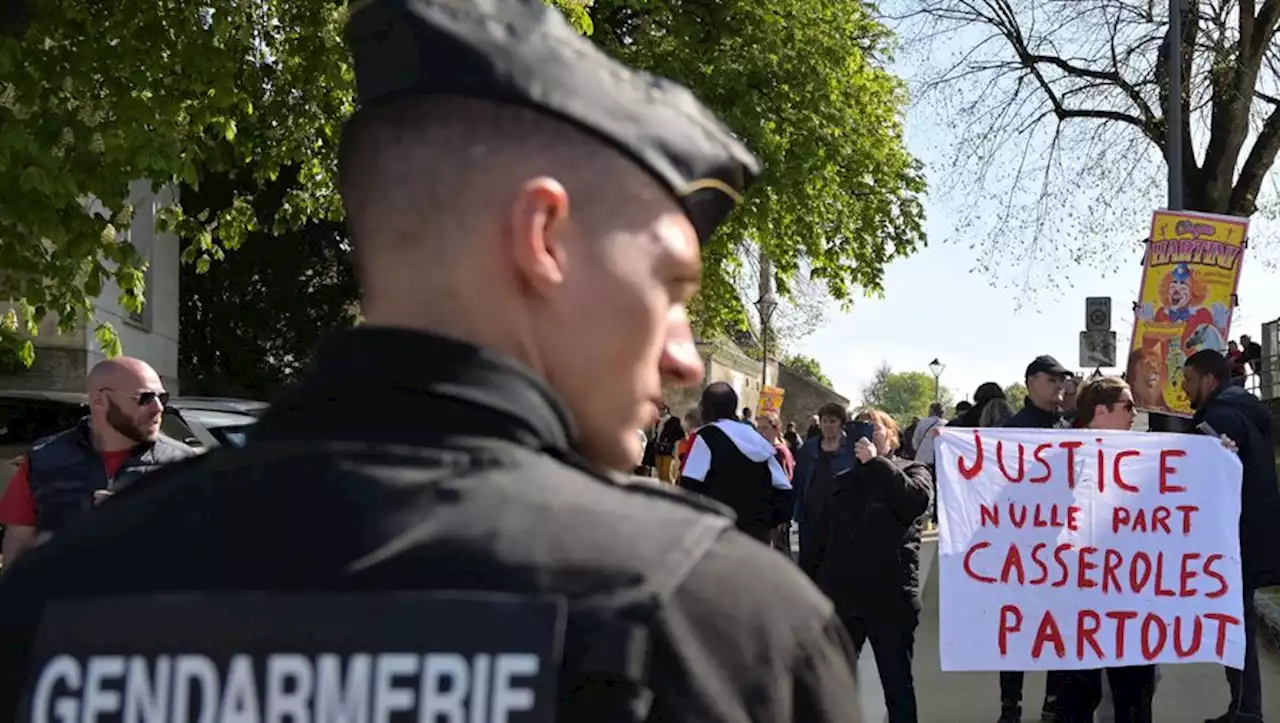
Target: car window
(175, 427)
(231, 436)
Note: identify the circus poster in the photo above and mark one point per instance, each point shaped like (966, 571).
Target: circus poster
(1189, 279)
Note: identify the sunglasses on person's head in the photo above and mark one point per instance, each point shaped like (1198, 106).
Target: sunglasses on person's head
(143, 399)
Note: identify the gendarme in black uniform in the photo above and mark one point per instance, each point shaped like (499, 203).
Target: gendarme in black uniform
(409, 535)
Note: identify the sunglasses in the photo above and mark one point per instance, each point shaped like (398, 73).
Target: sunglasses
(143, 399)
(1128, 406)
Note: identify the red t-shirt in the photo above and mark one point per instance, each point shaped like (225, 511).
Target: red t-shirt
(18, 506)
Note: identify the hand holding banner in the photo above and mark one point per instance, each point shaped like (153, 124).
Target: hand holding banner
(1086, 549)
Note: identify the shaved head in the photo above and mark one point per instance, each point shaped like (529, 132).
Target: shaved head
(443, 171)
(123, 371)
(126, 402)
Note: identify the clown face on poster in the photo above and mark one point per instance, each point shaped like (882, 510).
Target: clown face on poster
(1189, 279)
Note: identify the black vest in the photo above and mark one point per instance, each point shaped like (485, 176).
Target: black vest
(743, 485)
(64, 470)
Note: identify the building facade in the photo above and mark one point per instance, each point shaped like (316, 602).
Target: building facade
(723, 362)
(63, 360)
(804, 397)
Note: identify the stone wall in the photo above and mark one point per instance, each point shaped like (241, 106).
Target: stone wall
(803, 397)
(723, 363)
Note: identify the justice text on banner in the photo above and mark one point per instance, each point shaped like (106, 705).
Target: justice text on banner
(1070, 549)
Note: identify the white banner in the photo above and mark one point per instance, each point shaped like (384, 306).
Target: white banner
(1065, 549)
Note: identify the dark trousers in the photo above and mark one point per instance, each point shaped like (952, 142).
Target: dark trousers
(1246, 685)
(1011, 686)
(893, 642)
(1132, 689)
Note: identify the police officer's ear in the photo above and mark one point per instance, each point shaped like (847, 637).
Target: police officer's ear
(537, 231)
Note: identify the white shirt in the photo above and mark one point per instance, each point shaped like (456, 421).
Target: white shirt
(922, 442)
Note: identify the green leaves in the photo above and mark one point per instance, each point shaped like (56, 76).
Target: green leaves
(575, 11)
(903, 395)
(1016, 393)
(95, 96)
(804, 83)
(807, 366)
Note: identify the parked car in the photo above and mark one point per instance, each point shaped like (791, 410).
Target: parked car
(213, 421)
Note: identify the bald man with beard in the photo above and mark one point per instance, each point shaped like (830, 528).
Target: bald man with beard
(66, 474)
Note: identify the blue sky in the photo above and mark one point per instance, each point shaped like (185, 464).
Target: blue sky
(935, 306)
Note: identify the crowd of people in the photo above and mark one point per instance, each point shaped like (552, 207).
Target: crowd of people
(862, 492)
(447, 477)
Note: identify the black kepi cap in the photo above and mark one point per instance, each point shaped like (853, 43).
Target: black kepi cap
(523, 52)
(1047, 365)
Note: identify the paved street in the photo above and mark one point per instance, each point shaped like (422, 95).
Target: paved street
(1187, 693)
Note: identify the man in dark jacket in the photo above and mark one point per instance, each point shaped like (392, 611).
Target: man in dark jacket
(1230, 411)
(1046, 381)
(820, 459)
(65, 475)
(731, 462)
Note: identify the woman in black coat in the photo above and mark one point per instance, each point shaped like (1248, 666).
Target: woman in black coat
(868, 557)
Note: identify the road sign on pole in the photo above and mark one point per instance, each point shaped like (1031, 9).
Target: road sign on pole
(1097, 313)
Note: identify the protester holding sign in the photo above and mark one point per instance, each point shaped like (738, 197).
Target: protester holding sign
(1046, 381)
(1227, 410)
(867, 557)
(1107, 403)
(1086, 549)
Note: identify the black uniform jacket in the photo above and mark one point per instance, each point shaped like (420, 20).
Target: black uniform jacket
(406, 461)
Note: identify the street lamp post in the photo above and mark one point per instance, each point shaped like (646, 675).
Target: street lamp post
(935, 368)
(766, 305)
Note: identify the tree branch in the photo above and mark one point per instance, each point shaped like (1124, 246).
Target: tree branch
(1244, 197)
(1147, 120)
(1267, 24)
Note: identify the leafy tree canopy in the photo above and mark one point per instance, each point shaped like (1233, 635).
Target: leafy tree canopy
(94, 97)
(903, 395)
(807, 366)
(804, 82)
(250, 323)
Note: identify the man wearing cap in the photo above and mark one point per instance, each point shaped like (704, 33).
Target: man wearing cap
(430, 524)
(1046, 381)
